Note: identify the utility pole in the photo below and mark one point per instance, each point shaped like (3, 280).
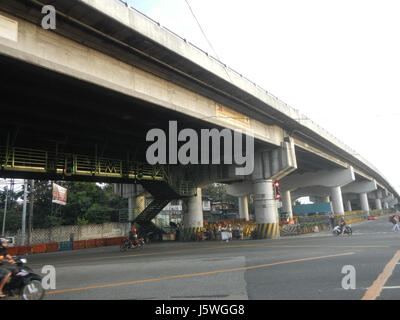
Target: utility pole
(4, 216)
(31, 200)
(24, 214)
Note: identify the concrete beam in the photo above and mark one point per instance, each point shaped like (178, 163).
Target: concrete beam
(240, 189)
(275, 164)
(268, 165)
(49, 50)
(360, 187)
(333, 178)
(128, 190)
(320, 192)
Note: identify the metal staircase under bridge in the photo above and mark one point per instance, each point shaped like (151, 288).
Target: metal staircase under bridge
(163, 192)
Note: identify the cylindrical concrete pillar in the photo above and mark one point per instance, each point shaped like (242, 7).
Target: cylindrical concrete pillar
(136, 205)
(266, 210)
(194, 214)
(348, 206)
(385, 205)
(244, 208)
(378, 204)
(337, 201)
(364, 203)
(326, 199)
(287, 204)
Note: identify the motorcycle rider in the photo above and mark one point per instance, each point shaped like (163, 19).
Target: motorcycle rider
(342, 224)
(133, 236)
(5, 273)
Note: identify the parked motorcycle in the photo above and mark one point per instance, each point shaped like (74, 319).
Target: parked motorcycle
(24, 283)
(128, 244)
(338, 230)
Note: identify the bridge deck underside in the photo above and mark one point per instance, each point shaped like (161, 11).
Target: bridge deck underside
(45, 110)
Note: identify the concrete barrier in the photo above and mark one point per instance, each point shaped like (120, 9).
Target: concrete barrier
(39, 248)
(12, 251)
(100, 242)
(22, 250)
(65, 245)
(90, 243)
(52, 247)
(76, 245)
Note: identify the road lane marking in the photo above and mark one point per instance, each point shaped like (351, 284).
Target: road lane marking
(375, 289)
(392, 287)
(190, 275)
(209, 248)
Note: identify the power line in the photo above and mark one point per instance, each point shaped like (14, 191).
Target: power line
(201, 29)
(206, 38)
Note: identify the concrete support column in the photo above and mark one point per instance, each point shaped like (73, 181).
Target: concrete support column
(378, 204)
(287, 204)
(337, 201)
(348, 206)
(194, 215)
(140, 204)
(364, 203)
(244, 208)
(385, 205)
(135, 206)
(266, 210)
(326, 199)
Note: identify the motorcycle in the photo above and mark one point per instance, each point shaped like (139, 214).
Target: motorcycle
(128, 244)
(347, 230)
(24, 283)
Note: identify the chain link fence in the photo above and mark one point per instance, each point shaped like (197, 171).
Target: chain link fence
(72, 233)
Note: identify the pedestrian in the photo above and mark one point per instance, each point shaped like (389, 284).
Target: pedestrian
(181, 232)
(240, 232)
(395, 221)
(229, 229)
(219, 233)
(178, 233)
(332, 220)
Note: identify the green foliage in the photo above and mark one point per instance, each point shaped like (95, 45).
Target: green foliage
(50, 222)
(13, 219)
(217, 192)
(87, 203)
(81, 221)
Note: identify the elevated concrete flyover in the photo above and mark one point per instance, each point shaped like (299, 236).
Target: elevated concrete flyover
(107, 75)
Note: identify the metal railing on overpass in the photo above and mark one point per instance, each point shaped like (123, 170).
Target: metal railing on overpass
(14, 159)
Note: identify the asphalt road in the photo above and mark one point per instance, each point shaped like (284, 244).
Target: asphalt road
(290, 268)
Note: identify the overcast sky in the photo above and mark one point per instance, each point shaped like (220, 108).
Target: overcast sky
(338, 62)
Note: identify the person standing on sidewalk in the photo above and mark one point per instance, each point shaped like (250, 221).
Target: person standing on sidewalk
(395, 221)
(332, 220)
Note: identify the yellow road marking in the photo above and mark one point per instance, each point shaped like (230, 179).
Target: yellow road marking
(375, 289)
(190, 275)
(208, 248)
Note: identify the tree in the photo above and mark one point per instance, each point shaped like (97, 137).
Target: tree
(217, 192)
(86, 203)
(14, 209)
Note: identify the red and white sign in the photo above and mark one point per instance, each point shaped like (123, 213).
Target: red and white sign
(59, 195)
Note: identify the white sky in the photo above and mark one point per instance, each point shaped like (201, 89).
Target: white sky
(338, 62)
